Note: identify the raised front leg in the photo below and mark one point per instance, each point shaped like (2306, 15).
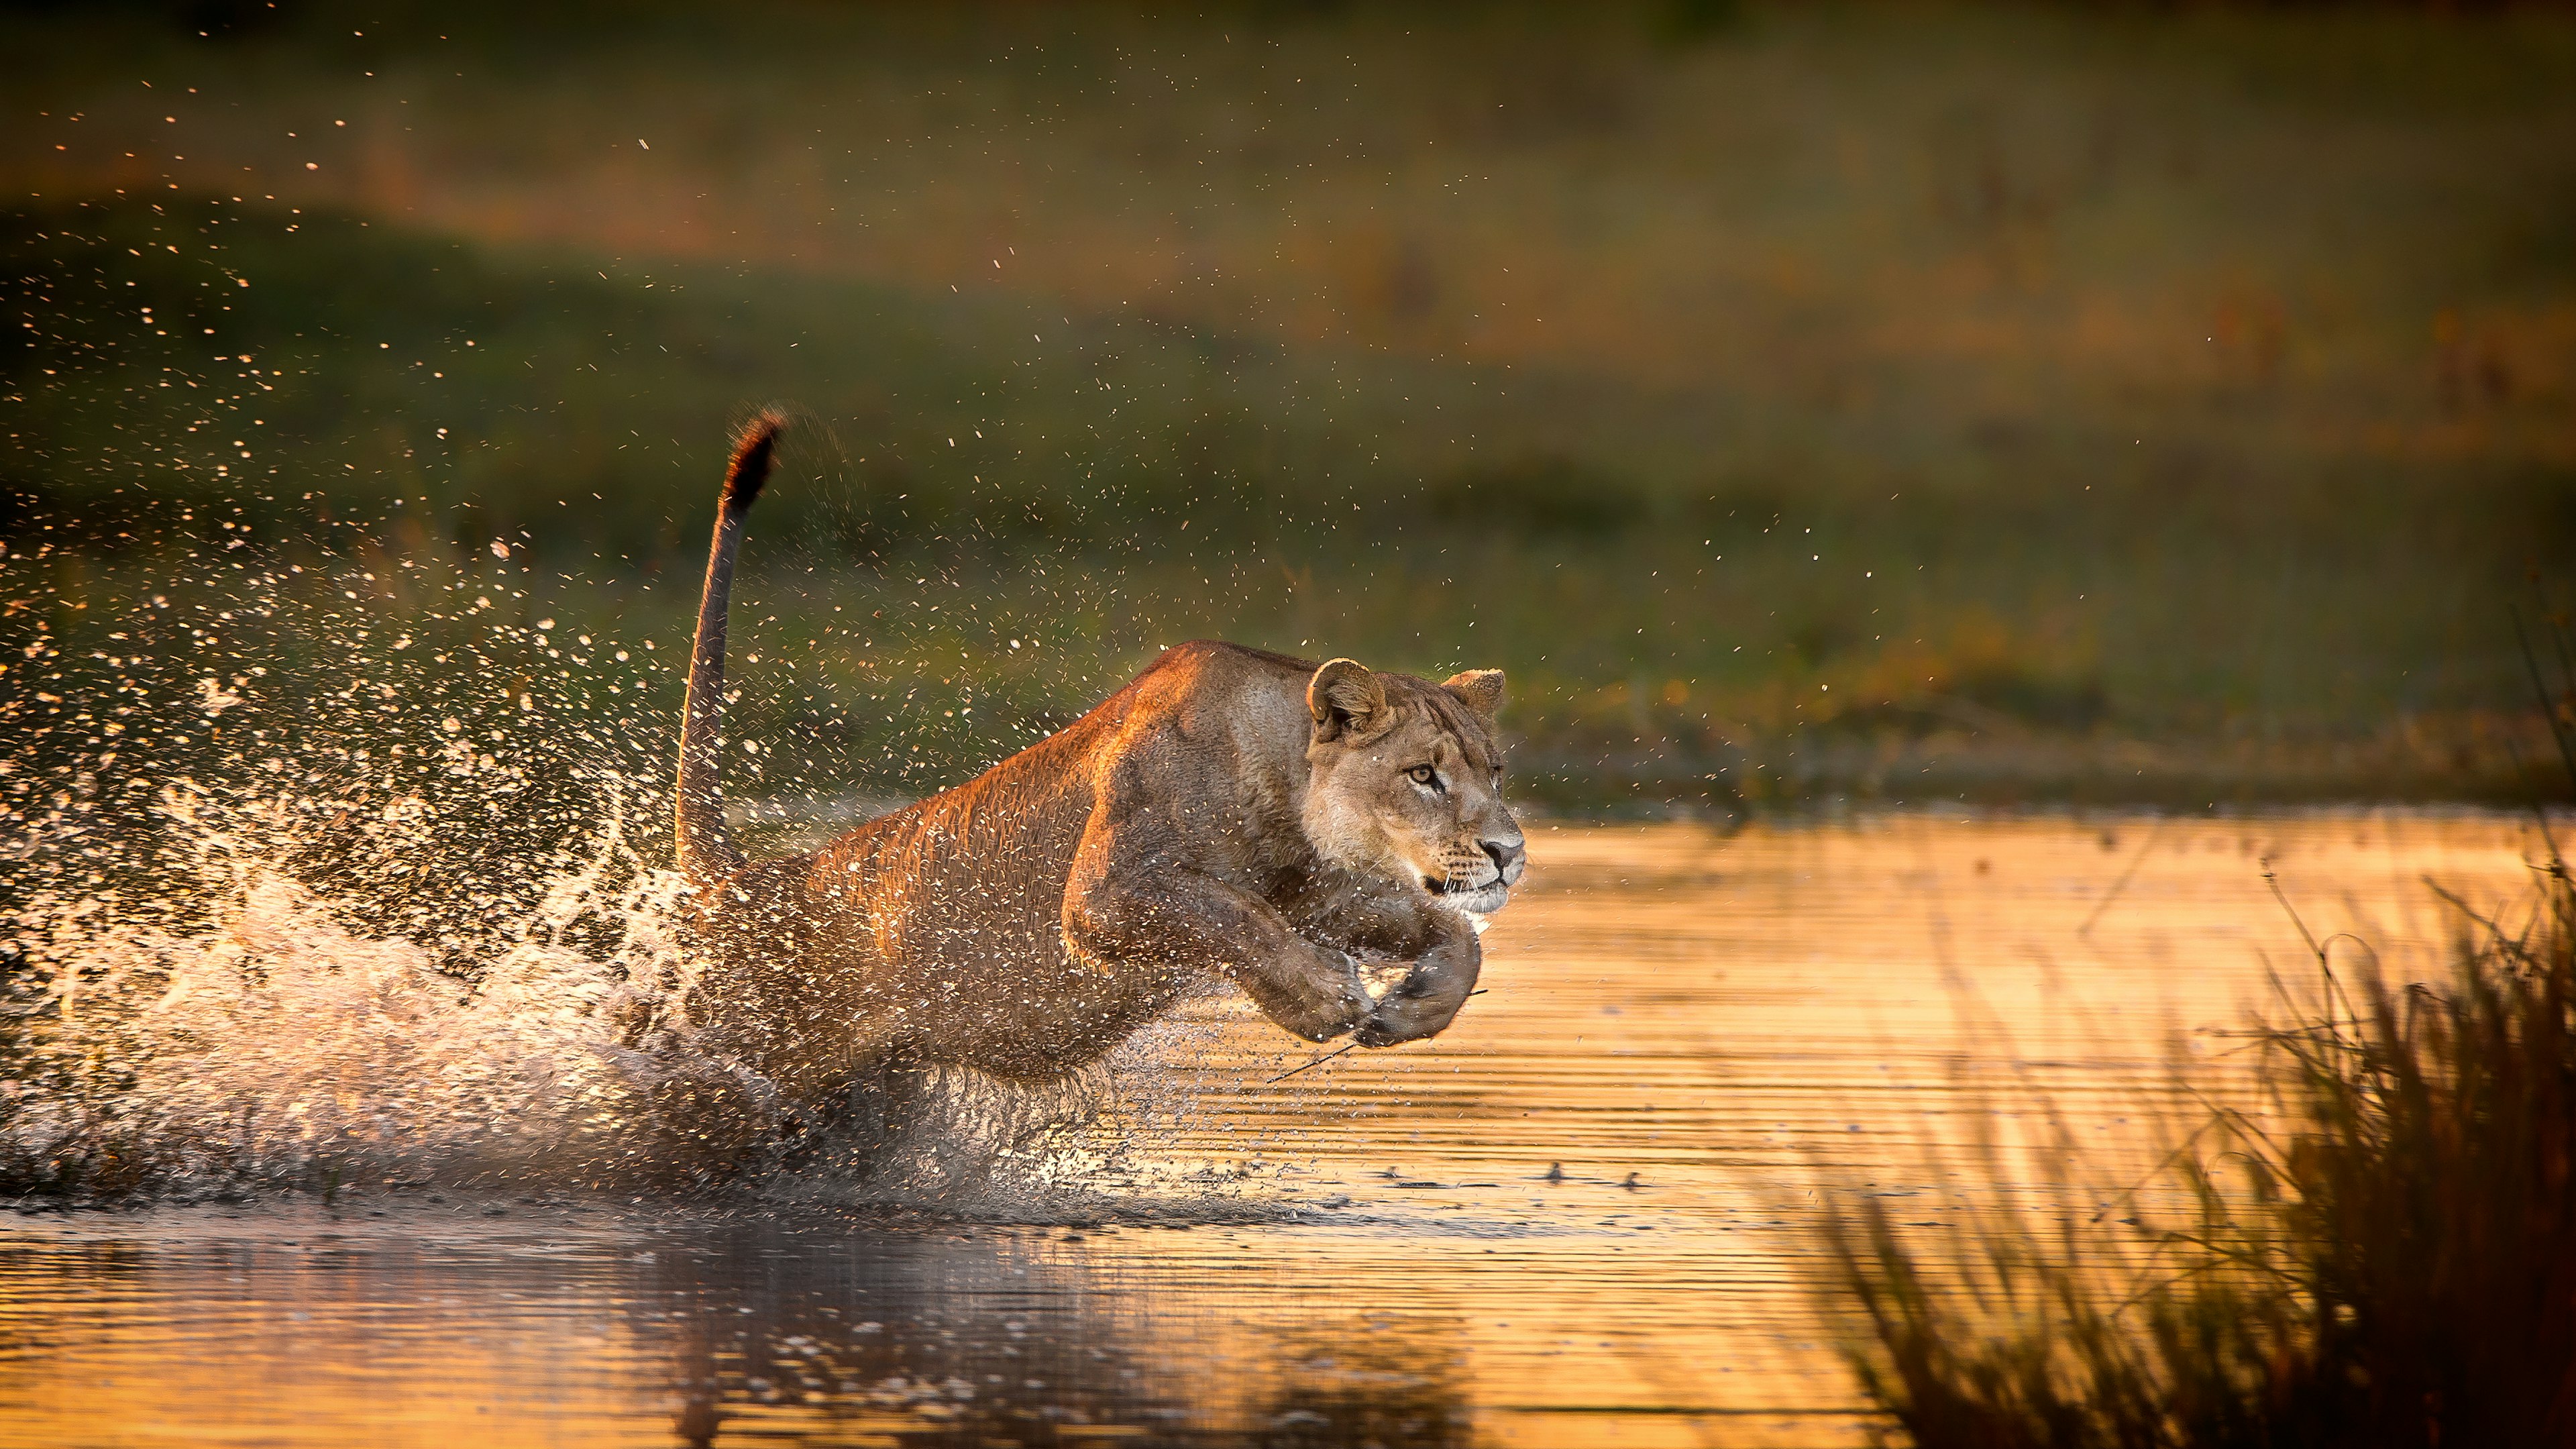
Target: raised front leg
(1129, 909)
(1430, 994)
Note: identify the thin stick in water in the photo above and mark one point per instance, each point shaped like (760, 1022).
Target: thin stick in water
(1317, 1062)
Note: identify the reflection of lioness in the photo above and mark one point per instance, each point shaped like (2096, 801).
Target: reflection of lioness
(1229, 811)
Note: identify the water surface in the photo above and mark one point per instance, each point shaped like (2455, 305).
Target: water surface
(1583, 1215)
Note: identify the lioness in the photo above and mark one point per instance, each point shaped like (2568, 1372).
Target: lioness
(1230, 811)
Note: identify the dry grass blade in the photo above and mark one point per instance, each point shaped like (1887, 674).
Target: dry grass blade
(2393, 1263)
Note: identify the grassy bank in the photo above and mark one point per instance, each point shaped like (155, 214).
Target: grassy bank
(1885, 402)
(2379, 1250)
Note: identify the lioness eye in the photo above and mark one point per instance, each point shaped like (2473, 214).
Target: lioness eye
(1424, 775)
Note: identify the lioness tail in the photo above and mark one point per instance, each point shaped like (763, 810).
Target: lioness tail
(706, 850)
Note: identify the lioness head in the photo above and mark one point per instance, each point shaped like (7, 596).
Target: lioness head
(1406, 780)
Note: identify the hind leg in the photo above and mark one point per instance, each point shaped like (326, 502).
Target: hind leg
(869, 1128)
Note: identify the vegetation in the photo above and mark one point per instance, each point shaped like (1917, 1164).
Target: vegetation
(2393, 1262)
(1894, 402)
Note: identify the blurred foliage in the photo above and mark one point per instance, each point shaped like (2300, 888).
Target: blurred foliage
(2379, 1250)
(1909, 402)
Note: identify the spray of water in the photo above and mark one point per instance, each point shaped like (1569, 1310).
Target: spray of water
(388, 907)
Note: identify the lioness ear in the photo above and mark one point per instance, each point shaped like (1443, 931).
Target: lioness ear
(1479, 689)
(1344, 695)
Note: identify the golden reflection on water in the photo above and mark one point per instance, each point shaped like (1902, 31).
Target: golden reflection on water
(1583, 1216)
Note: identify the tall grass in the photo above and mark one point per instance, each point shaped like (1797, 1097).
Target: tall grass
(2392, 1261)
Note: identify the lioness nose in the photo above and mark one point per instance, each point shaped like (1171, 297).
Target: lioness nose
(1509, 858)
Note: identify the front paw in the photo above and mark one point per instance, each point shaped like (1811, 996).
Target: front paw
(1333, 1005)
(1423, 1003)
(1398, 1017)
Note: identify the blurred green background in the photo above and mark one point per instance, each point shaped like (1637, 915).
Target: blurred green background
(1804, 403)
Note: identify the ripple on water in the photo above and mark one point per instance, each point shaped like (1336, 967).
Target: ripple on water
(1583, 1214)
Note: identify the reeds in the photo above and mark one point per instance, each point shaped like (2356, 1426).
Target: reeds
(2384, 1256)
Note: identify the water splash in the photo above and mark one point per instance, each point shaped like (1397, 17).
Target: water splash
(238, 1026)
(267, 1040)
(364, 919)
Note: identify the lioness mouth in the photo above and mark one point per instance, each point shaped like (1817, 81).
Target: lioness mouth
(1461, 888)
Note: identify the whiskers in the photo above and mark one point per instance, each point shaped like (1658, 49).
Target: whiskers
(1465, 875)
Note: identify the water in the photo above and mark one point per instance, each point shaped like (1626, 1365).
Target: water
(1583, 1215)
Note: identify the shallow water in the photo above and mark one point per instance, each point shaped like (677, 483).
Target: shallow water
(1583, 1215)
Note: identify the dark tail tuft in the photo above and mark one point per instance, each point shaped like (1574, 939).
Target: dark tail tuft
(751, 457)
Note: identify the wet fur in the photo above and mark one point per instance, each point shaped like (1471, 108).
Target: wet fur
(1204, 819)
